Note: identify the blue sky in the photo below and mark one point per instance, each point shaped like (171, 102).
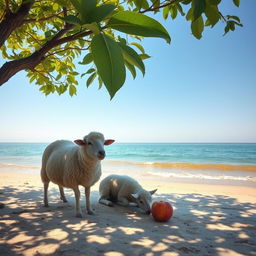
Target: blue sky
(193, 91)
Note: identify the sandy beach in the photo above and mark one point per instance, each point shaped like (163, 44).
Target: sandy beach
(208, 220)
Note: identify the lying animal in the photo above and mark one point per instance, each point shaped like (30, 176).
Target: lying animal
(125, 191)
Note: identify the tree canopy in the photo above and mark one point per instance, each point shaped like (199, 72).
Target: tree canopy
(49, 39)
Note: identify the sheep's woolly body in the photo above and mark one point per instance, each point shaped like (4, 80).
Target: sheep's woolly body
(125, 191)
(67, 166)
(117, 185)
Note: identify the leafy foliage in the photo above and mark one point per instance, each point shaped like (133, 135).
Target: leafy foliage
(62, 34)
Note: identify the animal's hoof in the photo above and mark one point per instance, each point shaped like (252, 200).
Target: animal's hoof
(46, 205)
(110, 204)
(90, 212)
(79, 215)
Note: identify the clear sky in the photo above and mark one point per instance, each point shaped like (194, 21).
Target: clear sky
(193, 91)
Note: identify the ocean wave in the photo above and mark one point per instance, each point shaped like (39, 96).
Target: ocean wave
(203, 176)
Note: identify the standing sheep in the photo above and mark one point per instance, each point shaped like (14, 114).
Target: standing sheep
(70, 165)
(125, 191)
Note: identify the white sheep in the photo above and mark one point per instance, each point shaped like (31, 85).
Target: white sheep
(125, 191)
(70, 165)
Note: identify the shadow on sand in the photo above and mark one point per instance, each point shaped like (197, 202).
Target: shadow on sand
(201, 225)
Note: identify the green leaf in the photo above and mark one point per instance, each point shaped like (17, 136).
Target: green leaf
(131, 69)
(233, 17)
(141, 4)
(94, 27)
(132, 57)
(212, 13)
(138, 24)
(189, 15)
(166, 12)
(76, 4)
(198, 8)
(100, 13)
(87, 59)
(71, 19)
(89, 71)
(179, 8)
(173, 12)
(140, 47)
(86, 7)
(72, 90)
(109, 61)
(144, 56)
(90, 79)
(236, 2)
(197, 27)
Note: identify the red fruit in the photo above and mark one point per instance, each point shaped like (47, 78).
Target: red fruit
(161, 211)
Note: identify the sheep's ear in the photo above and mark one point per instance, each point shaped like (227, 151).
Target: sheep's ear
(80, 142)
(108, 142)
(152, 191)
(135, 196)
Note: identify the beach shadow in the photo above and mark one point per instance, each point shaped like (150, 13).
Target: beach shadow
(201, 225)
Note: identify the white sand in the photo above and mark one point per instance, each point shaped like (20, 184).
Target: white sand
(208, 220)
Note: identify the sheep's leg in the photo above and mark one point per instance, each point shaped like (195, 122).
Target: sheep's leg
(87, 197)
(122, 201)
(62, 195)
(46, 185)
(78, 208)
(104, 201)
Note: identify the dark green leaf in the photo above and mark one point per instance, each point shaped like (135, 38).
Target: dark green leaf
(197, 27)
(138, 24)
(132, 57)
(131, 69)
(71, 19)
(99, 13)
(87, 59)
(141, 4)
(233, 17)
(189, 15)
(186, 2)
(198, 8)
(109, 61)
(90, 79)
(86, 7)
(76, 4)
(179, 8)
(173, 12)
(236, 2)
(212, 13)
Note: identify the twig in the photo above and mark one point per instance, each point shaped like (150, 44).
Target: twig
(151, 9)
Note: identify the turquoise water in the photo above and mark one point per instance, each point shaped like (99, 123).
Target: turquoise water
(167, 160)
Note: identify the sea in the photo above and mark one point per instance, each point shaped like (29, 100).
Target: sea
(209, 163)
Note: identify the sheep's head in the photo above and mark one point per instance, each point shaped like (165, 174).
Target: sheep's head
(143, 199)
(93, 144)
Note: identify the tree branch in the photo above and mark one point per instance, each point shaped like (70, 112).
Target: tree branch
(26, 21)
(12, 20)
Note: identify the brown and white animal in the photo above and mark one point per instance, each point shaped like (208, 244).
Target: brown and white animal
(125, 191)
(70, 165)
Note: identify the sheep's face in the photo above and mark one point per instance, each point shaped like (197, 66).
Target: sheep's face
(143, 200)
(95, 148)
(93, 145)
